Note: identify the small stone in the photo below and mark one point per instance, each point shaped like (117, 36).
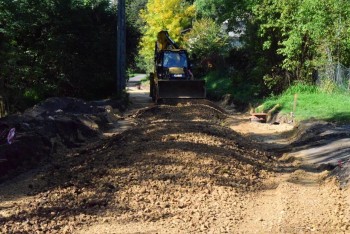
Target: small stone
(66, 229)
(143, 190)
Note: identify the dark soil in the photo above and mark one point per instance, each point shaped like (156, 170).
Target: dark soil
(51, 126)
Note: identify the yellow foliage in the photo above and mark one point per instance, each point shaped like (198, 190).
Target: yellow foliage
(170, 15)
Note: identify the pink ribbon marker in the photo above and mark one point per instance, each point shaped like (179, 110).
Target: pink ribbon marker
(11, 136)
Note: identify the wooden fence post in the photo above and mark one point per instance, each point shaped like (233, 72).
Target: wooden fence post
(2, 107)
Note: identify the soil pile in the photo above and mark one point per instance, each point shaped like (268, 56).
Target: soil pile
(51, 126)
(324, 144)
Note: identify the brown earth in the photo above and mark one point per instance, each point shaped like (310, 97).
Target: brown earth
(185, 168)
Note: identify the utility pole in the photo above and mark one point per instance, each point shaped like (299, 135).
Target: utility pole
(121, 47)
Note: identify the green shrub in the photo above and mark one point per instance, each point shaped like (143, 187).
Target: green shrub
(328, 85)
(217, 84)
(301, 88)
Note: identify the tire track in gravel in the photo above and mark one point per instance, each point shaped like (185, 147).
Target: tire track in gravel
(300, 202)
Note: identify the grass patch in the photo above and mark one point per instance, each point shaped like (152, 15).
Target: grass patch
(312, 103)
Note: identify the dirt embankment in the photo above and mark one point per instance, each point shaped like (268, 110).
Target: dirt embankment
(55, 125)
(179, 170)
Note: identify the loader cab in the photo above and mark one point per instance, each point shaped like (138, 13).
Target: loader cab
(173, 64)
(175, 59)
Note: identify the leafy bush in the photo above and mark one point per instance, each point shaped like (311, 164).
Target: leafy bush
(328, 85)
(217, 84)
(207, 43)
(221, 82)
(56, 48)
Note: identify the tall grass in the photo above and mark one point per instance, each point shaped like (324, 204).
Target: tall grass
(312, 102)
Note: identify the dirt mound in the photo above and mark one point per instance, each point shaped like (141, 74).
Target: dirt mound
(323, 144)
(182, 112)
(155, 171)
(310, 132)
(67, 105)
(342, 172)
(55, 124)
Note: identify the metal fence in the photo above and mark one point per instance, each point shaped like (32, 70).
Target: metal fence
(334, 73)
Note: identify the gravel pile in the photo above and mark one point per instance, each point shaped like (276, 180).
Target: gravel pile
(179, 166)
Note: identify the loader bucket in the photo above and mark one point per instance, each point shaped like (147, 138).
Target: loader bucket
(181, 89)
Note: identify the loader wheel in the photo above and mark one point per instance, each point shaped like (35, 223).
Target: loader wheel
(159, 101)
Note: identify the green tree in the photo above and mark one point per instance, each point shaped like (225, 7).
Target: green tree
(232, 11)
(207, 42)
(309, 32)
(56, 48)
(171, 15)
(209, 8)
(134, 32)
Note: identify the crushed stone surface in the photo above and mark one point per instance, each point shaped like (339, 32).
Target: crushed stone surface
(180, 169)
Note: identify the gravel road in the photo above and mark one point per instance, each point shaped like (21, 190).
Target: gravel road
(180, 169)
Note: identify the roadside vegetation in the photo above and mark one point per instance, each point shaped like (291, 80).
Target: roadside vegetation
(310, 102)
(253, 50)
(262, 52)
(60, 48)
